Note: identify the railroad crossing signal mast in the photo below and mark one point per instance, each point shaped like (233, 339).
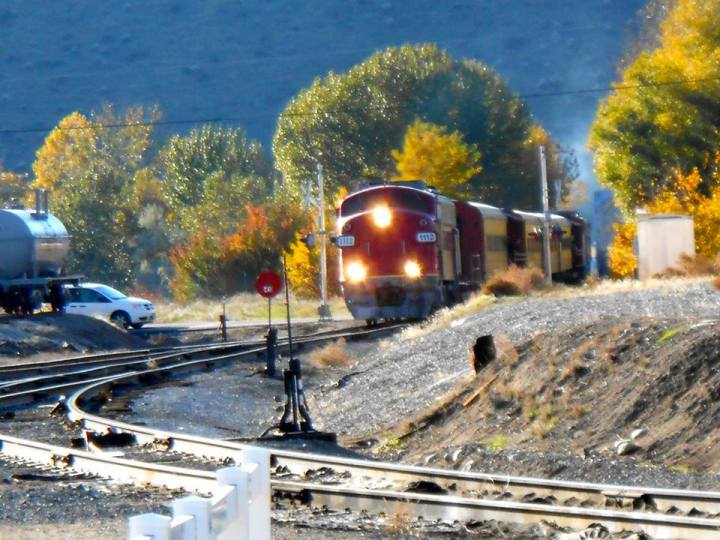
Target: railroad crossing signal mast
(319, 201)
(546, 216)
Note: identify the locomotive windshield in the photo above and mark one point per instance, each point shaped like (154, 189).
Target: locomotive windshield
(406, 199)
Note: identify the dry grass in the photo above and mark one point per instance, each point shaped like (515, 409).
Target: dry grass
(603, 287)
(334, 354)
(514, 281)
(244, 306)
(578, 411)
(698, 265)
(400, 521)
(716, 282)
(447, 317)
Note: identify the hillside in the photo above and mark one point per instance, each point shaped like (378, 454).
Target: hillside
(242, 62)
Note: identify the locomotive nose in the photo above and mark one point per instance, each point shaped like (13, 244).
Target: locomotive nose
(386, 242)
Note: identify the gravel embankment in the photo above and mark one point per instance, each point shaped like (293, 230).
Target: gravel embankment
(409, 374)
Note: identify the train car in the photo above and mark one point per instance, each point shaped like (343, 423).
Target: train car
(399, 244)
(35, 246)
(579, 243)
(407, 250)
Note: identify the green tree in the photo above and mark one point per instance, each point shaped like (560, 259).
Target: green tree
(350, 123)
(91, 170)
(664, 114)
(209, 175)
(430, 153)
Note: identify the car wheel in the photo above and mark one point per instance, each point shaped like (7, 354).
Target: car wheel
(121, 319)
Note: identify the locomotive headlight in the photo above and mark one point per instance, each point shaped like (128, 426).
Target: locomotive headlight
(356, 272)
(382, 217)
(412, 270)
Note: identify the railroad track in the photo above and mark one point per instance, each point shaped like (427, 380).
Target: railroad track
(362, 485)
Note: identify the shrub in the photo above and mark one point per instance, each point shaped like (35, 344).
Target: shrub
(333, 354)
(514, 280)
(688, 266)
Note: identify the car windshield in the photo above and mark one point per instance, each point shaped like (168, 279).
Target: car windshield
(111, 293)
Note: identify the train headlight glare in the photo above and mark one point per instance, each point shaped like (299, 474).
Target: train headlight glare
(356, 272)
(412, 270)
(382, 216)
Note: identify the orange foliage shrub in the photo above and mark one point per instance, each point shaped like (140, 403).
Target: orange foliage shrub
(303, 263)
(216, 267)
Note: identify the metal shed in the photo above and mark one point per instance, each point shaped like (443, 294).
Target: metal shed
(661, 241)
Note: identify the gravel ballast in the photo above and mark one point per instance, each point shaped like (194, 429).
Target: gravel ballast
(395, 380)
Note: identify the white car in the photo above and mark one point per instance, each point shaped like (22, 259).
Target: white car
(97, 300)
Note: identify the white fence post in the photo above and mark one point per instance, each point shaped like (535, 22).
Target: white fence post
(259, 492)
(238, 515)
(146, 526)
(199, 509)
(238, 510)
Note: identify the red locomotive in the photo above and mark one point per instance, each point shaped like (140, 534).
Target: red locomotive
(407, 250)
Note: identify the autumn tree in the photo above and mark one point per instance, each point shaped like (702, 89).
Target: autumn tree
(443, 159)
(209, 175)
(680, 196)
(621, 257)
(13, 188)
(350, 123)
(664, 112)
(90, 169)
(209, 265)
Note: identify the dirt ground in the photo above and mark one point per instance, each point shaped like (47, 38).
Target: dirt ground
(644, 390)
(50, 335)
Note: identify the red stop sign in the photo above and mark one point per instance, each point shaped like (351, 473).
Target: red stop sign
(268, 284)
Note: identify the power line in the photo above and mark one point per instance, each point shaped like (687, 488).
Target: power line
(218, 120)
(678, 82)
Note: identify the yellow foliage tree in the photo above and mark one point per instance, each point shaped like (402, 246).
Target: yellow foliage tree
(688, 194)
(663, 113)
(66, 152)
(303, 266)
(443, 159)
(303, 263)
(13, 187)
(622, 260)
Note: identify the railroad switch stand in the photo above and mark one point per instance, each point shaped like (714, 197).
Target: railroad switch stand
(271, 351)
(296, 417)
(295, 421)
(223, 327)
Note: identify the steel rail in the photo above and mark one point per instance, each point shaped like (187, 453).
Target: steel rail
(453, 508)
(393, 474)
(31, 390)
(299, 463)
(107, 466)
(215, 327)
(38, 369)
(440, 507)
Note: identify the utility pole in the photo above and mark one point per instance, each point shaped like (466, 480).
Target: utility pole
(324, 309)
(546, 217)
